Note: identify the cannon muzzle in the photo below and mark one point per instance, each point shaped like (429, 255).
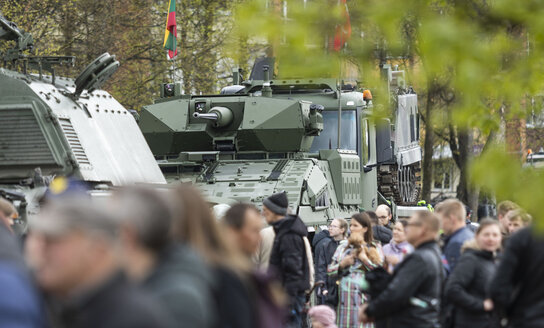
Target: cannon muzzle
(207, 116)
(221, 116)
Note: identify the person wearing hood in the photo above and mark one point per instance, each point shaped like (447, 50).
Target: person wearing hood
(466, 286)
(170, 272)
(322, 316)
(398, 248)
(289, 258)
(325, 244)
(380, 233)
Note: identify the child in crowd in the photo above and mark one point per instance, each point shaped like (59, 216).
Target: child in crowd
(322, 316)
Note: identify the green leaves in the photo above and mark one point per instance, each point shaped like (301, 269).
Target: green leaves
(503, 173)
(485, 57)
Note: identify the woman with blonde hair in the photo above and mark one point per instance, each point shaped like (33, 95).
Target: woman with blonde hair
(352, 259)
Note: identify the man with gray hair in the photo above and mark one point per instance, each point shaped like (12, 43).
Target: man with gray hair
(170, 272)
(72, 249)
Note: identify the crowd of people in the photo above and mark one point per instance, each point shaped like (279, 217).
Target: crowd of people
(148, 258)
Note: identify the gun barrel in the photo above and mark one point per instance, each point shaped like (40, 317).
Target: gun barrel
(207, 116)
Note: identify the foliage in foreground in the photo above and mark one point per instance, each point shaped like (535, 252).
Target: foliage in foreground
(485, 55)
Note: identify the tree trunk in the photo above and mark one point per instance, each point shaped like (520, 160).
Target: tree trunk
(462, 153)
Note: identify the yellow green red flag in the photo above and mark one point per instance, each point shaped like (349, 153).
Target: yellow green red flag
(171, 32)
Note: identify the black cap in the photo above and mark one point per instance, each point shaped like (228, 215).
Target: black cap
(277, 203)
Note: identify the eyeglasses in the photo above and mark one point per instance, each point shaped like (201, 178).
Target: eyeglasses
(333, 226)
(382, 217)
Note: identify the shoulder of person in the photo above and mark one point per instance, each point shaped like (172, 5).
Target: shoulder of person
(467, 232)
(342, 246)
(423, 254)
(374, 244)
(469, 256)
(292, 238)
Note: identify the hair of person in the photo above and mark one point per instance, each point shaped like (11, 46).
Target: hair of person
(195, 225)
(452, 207)
(343, 225)
(428, 219)
(487, 223)
(373, 217)
(235, 216)
(403, 222)
(82, 214)
(506, 206)
(519, 214)
(6, 207)
(364, 220)
(148, 213)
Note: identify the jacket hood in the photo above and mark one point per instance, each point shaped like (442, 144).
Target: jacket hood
(291, 223)
(323, 234)
(471, 246)
(382, 234)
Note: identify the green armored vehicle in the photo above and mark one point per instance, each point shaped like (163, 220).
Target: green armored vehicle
(266, 136)
(52, 125)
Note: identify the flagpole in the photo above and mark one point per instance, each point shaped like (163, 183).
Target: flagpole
(172, 68)
(339, 86)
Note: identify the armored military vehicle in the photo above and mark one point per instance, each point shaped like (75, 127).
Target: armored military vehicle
(308, 137)
(51, 125)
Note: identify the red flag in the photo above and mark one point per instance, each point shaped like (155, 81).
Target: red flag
(171, 32)
(343, 31)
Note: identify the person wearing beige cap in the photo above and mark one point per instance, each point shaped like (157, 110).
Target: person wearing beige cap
(72, 250)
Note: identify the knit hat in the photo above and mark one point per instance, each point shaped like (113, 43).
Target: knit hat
(323, 314)
(277, 203)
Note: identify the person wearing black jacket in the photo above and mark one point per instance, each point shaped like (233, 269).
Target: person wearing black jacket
(517, 287)
(325, 244)
(412, 298)
(466, 286)
(288, 258)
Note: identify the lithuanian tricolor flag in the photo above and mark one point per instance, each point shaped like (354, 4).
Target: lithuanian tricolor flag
(171, 32)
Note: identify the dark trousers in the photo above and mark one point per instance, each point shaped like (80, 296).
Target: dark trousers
(296, 311)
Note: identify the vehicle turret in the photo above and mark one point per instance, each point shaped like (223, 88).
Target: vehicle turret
(51, 126)
(231, 123)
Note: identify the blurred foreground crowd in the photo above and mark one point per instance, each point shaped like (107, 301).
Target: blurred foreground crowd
(148, 258)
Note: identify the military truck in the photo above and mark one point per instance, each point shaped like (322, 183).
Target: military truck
(52, 125)
(535, 160)
(307, 137)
